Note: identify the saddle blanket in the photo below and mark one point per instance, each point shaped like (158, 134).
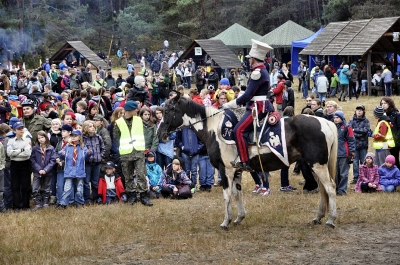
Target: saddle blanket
(272, 136)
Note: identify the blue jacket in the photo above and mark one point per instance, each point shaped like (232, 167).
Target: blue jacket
(154, 173)
(77, 170)
(346, 142)
(360, 128)
(168, 147)
(49, 159)
(258, 87)
(344, 77)
(187, 139)
(389, 176)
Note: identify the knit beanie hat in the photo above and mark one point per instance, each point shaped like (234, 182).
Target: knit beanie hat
(224, 81)
(339, 114)
(370, 155)
(378, 111)
(390, 159)
(139, 79)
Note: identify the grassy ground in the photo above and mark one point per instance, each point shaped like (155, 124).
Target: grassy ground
(277, 228)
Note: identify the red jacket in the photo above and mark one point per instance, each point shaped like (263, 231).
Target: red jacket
(102, 189)
(278, 91)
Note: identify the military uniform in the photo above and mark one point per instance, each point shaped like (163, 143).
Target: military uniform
(36, 123)
(255, 98)
(135, 160)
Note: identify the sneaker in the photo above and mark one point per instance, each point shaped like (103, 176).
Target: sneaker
(295, 173)
(193, 190)
(288, 188)
(37, 207)
(46, 206)
(53, 200)
(354, 181)
(265, 192)
(257, 189)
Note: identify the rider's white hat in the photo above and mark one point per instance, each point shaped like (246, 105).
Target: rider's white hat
(258, 50)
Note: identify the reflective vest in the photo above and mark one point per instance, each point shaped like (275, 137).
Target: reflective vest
(133, 139)
(388, 138)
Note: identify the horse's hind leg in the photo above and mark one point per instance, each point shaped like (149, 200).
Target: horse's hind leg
(328, 195)
(238, 193)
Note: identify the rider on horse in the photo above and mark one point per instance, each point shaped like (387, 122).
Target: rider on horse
(255, 98)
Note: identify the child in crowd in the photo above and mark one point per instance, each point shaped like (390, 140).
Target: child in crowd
(345, 154)
(95, 144)
(19, 150)
(43, 159)
(66, 131)
(110, 186)
(382, 137)
(389, 175)
(154, 175)
(165, 150)
(206, 170)
(224, 86)
(176, 184)
(368, 178)
(360, 126)
(74, 154)
(149, 130)
(205, 97)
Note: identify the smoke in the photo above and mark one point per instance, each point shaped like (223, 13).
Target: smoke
(18, 46)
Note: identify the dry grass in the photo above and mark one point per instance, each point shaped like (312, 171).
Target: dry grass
(277, 229)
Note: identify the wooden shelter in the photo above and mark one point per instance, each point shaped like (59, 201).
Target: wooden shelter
(358, 38)
(79, 46)
(216, 49)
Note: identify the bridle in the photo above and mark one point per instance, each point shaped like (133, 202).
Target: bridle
(190, 126)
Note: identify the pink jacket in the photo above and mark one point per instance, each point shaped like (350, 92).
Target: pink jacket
(368, 175)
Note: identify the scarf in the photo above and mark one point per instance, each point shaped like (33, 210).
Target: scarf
(75, 154)
(42, 148)
(146, 123)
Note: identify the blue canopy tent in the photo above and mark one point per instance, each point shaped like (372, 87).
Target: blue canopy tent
(297, 46)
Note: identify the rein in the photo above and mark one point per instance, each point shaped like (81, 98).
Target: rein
(190, 124)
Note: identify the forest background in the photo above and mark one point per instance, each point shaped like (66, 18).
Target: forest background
(32, 29)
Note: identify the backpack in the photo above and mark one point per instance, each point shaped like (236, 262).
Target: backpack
(14, 109)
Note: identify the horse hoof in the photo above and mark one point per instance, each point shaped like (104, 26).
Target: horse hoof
(236, 223)
(330, 225)
(222, 227)
(316, 222)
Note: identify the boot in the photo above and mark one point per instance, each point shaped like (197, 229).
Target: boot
(132, 197)
(45, 201)
(37, 199)
(2, 206)
(144, 198)
(53, 200)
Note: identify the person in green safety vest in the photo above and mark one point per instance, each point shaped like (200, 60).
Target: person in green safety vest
(129, 138)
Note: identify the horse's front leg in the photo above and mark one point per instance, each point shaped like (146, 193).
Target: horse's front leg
(237, 192)
(227, 180)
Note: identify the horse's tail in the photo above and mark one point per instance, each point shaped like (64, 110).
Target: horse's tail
(333, 152)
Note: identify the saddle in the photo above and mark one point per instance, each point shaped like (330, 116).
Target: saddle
(264, 135)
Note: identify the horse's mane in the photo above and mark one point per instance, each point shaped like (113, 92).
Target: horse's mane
(196, 108)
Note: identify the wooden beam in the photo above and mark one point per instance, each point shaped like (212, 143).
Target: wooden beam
(369, 78)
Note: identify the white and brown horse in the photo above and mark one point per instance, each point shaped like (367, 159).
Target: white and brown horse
(312, 138)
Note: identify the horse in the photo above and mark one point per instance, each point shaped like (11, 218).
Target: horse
(312, 138)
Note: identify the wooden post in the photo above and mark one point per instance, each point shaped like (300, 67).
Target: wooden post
(369, 78)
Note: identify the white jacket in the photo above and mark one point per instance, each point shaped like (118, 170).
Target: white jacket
(19, 149)
(322, 84)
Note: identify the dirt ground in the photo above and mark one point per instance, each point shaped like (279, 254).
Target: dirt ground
(349, 243)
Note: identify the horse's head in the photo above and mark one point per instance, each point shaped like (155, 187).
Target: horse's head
(173, 116)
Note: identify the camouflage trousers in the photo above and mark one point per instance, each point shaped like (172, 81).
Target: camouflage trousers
(133, 165)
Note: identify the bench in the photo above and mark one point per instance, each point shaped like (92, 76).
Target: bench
(378, 91)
